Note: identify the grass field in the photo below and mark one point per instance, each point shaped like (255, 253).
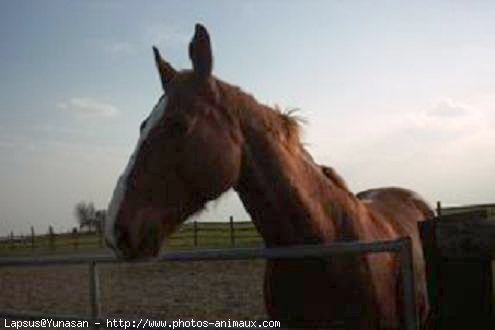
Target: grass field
(190, 235)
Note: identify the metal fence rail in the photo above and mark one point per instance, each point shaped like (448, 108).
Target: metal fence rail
(402, 247)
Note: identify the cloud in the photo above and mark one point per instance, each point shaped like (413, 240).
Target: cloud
(120, 47)
(442, 150)
(87, 107)
(448, 117)
(7, 145)
(447, 108)
(165, 35)
(160, 35)
(445, 127)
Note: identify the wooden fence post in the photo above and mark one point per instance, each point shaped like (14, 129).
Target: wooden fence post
(232, 234)
(195, 233)
(439, 209)
(32, 238)
(75, 238)
(12, 240)
(51, 238)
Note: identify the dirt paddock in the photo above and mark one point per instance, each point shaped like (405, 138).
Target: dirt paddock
(201, 290)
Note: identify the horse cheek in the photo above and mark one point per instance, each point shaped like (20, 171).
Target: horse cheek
(216, 165)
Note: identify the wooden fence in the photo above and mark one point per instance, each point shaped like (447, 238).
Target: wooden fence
(190, 235)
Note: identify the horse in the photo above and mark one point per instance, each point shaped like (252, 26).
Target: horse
(206, 136)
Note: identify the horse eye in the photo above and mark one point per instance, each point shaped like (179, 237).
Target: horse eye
(178, 126)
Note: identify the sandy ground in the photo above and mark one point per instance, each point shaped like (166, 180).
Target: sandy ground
(199, 290)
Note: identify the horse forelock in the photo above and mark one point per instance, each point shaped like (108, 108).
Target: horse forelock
(121, 187)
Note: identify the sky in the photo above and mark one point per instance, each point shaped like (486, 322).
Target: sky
(394, 92)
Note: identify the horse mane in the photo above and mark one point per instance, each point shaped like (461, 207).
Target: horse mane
(335, 178)
(289, 122)
(284, 125)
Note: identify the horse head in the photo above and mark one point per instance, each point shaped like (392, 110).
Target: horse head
(189, 152)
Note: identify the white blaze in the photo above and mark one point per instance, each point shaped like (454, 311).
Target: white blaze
(120, 188)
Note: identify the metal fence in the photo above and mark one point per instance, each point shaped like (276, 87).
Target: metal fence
(401, 246)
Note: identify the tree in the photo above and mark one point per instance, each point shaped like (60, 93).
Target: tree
(100, 217)
(85, 214)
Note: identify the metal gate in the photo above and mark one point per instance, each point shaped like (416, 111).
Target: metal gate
(401, 246)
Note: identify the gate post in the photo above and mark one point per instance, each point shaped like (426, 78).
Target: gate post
(407, 278)
(94, 293)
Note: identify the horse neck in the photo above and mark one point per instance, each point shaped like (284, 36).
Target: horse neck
(287, 195)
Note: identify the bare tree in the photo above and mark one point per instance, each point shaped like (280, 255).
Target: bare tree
(85, 214)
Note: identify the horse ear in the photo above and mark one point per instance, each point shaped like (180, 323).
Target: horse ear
(166, 71)
(200, 53)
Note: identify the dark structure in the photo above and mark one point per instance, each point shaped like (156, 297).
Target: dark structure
(459, 249)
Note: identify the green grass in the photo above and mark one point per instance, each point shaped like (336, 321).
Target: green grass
(209, 235)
